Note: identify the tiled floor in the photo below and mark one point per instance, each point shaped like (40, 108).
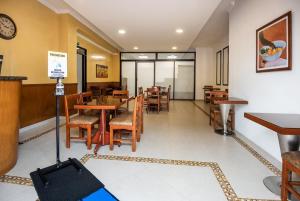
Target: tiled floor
(202, 165)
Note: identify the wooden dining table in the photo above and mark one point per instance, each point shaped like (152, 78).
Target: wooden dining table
(287, 127)
(104, 104)
(225, 106)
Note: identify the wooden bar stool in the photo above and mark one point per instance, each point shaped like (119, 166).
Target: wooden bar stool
(290, 164)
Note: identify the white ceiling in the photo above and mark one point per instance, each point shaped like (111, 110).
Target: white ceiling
(150, 24)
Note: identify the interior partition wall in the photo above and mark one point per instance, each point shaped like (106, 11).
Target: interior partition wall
(159, 69)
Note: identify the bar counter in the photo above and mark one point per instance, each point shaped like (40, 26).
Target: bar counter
(10, 99)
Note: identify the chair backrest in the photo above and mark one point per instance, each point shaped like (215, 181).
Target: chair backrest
(70, 101)
(218, 95)
(86, 97)
(135, 111)
(121, 93)
(140, 90)
(96, 91)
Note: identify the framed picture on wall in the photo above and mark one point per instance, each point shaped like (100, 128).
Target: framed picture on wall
(101, 71)
(225, 66)
(218, 67)
(274, 45)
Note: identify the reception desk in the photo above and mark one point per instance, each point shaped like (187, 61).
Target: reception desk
(10, 98)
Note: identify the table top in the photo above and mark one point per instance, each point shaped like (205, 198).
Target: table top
(104, 103)
(231, 100)
(216, 92)
(286, 124)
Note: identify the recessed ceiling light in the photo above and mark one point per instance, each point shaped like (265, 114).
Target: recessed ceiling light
(135, 47)
(143, 57)
(174, 48)
(97, 57)
(122, 31)
(172, 57)
(179, 31)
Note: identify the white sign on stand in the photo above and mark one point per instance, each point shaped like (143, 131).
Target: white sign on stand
(57, 64)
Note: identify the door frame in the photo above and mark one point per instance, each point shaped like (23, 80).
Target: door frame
(82, 51)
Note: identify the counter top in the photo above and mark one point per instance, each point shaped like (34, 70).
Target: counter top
(12, 78)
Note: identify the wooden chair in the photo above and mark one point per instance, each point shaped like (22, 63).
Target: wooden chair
(290, 164)
(215, 114)
(140, 91)
(165, 99)
(81, 121)
(153, 99)
(87, 97)
(129, 122)
(121, 94)
(96, 91)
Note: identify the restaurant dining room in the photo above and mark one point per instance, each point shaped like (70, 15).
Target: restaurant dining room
(138, 100)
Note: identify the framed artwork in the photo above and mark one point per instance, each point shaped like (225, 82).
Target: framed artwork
(218, 67)
(101, 71)
(225, 66)
(274, 45)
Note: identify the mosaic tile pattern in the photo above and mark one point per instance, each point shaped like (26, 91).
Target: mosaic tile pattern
(39, 135)
(16, 180)
(221, 178)
(259, 157)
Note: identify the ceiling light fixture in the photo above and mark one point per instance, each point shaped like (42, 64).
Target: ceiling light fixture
(135, 47)
(172, 57)
(174, 48)
(179, 31)
(97, 57)
(122, 31)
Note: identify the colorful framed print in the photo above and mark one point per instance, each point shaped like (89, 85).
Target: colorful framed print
(101, 71)
(274, 45)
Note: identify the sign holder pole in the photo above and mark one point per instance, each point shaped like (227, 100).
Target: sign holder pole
(57, 123)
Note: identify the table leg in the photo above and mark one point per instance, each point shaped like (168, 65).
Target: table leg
(224, 109)
(101, 131)
(286, 143)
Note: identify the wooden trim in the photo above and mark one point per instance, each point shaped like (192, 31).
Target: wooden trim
(38, 102)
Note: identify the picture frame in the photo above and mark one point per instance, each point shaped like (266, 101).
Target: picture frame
(101, 71)
(218, 67)
(274, 45)
(225, 66)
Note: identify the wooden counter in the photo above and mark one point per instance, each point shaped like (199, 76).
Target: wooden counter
(10, 96)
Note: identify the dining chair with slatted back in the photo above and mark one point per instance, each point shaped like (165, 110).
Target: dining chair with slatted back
(153, 99)
(165, 98)
(121, 94)
(126, 122)
(80, 121)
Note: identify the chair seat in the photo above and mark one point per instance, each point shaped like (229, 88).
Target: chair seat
(84, 119)
(152, 101)
(292, 157)
(123, 120)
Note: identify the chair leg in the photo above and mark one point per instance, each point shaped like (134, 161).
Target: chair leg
(111, 138)
(284, 181)
(142, 123)
(89, 137)
(68, 144)
(133, 146)
(81, 135)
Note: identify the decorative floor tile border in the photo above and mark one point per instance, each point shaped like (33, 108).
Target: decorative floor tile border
(252, 151)
(218, 173)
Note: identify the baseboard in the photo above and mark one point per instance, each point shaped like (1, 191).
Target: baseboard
(262, 152)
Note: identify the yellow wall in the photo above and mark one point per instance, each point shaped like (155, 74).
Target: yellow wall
(39, 29)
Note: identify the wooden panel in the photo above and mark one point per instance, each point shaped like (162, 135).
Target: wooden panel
(104, 84)
(38, 102)
(9, 123)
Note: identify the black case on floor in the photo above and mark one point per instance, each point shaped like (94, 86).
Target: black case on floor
(71, 181)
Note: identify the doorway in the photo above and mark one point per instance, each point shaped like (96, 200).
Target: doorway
(145, 74)
(81, 69)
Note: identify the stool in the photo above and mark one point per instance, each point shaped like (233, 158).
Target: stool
(290, 163)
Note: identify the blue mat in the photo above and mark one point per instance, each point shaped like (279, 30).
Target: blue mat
(100, 195)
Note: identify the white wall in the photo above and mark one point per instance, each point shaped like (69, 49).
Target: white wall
(204, 70)
(206, 66)
(276, 92)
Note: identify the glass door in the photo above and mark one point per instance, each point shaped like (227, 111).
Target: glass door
(184, 80)
(164, 74)
(145, 74)
(128, 76)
